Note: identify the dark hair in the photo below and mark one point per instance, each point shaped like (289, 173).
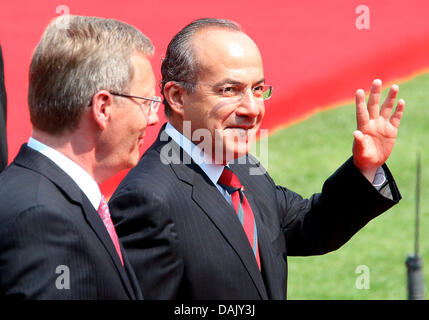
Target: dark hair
(180, 64)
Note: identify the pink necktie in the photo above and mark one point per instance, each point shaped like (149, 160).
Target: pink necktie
(229, 181)
(103, 211)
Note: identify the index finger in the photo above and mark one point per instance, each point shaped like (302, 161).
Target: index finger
(362, 116)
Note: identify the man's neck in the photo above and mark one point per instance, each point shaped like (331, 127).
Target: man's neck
(79, 152)
(185, 129)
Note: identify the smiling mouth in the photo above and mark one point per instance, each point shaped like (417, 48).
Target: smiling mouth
(247, 128)
(241, 132)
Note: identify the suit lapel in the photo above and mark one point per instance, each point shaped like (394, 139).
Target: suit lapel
(36, 161)
(210, 200)
(214, 205)
(100, 230)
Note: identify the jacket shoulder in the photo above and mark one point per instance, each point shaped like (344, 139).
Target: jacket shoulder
(22, 189)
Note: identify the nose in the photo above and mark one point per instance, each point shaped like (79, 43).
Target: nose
(152, 118)
(249, 105)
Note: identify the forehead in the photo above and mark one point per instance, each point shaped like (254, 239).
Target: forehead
(223, 53)
(143, 72)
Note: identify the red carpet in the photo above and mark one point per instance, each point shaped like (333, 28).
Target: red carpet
(314, 55)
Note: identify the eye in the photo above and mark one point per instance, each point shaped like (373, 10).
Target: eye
(258, 91)
(229, 91)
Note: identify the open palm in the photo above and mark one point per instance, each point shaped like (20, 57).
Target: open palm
(377, 128)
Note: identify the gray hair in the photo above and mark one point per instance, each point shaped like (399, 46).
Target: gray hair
(180, 64)
(74, 59)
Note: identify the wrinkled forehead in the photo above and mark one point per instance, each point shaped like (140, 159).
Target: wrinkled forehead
(219, 51)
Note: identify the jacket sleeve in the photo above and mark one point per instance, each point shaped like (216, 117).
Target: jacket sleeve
(150, 241)
(327, 220)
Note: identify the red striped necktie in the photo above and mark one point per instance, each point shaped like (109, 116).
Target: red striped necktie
(104, 212)
(229, 181)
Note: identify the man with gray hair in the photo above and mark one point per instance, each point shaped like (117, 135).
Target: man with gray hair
(211, 223)
(91, 98)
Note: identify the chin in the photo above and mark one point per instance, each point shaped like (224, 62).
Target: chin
(132, 161)
(236, 151)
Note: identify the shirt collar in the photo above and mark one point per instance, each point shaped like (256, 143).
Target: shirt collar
(82, 178)
(205, 162)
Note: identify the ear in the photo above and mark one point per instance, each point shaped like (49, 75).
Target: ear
(173, 93)
(102, 103)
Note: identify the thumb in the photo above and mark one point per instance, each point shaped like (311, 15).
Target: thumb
(359, 143)
(359, 136)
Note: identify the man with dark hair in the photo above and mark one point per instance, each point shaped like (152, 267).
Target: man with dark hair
(199, 217)
(91, 98)
(3, 116)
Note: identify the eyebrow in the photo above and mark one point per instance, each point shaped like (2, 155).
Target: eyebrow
(235, 82)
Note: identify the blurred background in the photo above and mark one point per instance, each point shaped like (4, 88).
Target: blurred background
(316, 55)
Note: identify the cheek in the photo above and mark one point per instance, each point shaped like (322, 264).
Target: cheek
(135, 123)
(134, 149)
(207, 113)
(130, 133)
(196, 117)
(262, 111)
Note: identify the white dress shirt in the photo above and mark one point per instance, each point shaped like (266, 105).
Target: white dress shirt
(82, 178)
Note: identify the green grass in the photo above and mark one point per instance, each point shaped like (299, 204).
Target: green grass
(302, 156)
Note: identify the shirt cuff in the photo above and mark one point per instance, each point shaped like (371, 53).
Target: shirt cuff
(380, 179)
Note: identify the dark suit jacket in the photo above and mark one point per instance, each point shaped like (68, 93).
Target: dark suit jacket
(47, 222)
(3, 140)
(185, 241)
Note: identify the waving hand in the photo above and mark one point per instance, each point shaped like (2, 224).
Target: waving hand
(377, 128)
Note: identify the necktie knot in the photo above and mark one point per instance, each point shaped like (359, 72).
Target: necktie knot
(103, 209)
(229, 181)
